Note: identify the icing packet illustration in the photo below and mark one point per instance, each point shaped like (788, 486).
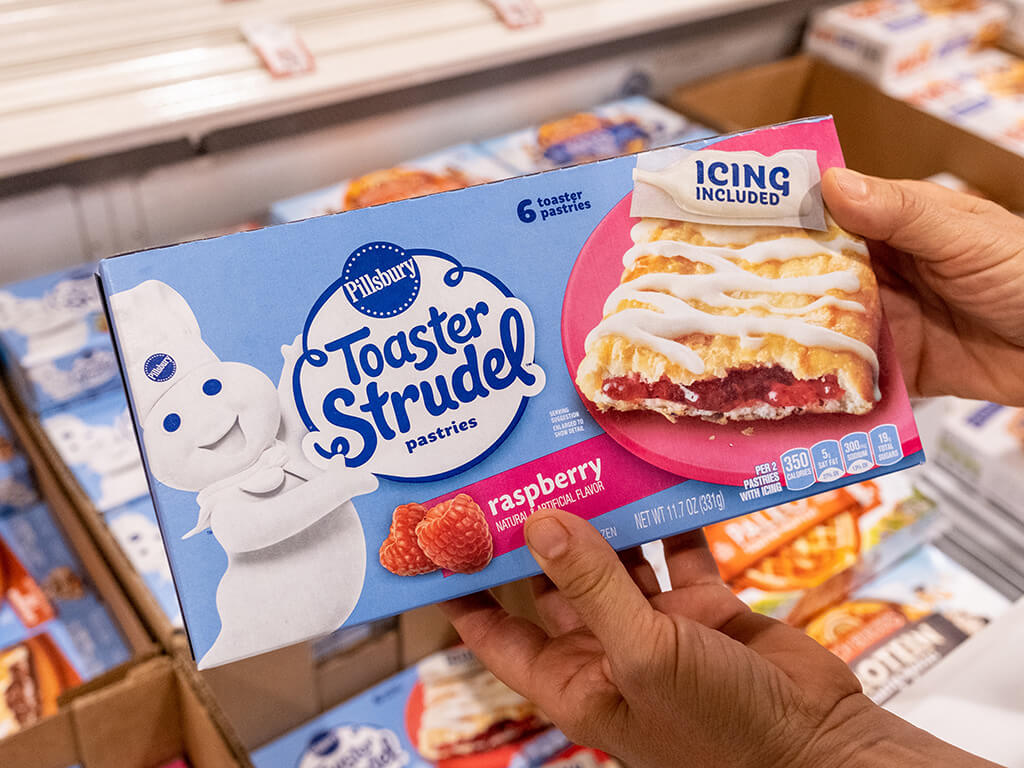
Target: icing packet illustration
(349, 416)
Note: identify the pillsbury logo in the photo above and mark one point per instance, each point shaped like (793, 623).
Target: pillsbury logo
(380, 280)
(437, 364)
(352, 746)
(159, 367)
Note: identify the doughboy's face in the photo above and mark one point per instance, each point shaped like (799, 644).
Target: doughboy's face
(140, 538)
(213, 423)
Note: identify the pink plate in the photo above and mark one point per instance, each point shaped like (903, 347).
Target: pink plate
(691, 447)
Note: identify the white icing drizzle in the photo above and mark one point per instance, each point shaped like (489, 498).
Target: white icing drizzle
(669, 316)
(779, 249)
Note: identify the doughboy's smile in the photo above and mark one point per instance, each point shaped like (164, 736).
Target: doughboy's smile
(230, 441)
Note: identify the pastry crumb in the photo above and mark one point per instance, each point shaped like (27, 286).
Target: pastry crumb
(748, 431)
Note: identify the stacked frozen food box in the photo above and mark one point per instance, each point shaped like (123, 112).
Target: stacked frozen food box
(617, 127)
(58, 355)
(855, 568)
(446, 710)
(935, 56)
(55, 632)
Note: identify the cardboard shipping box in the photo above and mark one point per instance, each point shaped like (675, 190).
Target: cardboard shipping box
(147, 716)
(880, 135)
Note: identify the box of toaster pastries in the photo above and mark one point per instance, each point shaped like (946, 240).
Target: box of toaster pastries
(349, 416)
(454, 168)
(791, 561)
(895, 628)
(886, 40)
(447, 710)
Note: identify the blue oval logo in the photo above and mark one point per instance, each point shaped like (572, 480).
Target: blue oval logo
(324, 743)
(159, 367)
(380, 279)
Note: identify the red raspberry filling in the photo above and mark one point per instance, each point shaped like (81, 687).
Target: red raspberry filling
(741, 388)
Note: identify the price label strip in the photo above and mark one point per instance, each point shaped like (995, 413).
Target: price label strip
(279, 47)
(517, 13)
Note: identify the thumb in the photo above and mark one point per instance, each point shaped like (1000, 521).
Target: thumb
(590, 576)
(917, 217)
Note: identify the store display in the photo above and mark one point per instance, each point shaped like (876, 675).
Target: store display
(412, 367)
(982, 93)
(619, 127)
(54, 339)
(884, 40)
(135, 527)
(982, 444)
(82, 629)
(96, 440)
(446, 709)
(895, 628)
(17, 488)
(33, 674)
(453, 168)
(789, 562)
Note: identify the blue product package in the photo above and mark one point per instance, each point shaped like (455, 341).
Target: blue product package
(350, 416)
(83, 629)
(54, 338)
(135, 527)
(618, 127)
(453, 168)
(446, 707)
(95, 439)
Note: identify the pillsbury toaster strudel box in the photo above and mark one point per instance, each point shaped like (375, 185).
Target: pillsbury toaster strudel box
(349, 416)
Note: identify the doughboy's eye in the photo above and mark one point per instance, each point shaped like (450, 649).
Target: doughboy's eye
(211, 386)
(171, 422)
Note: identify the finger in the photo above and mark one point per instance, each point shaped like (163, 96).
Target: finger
(507, 645)
(558, 616)
(929, 221)
(591, 578)
(690, 561)
(641, 571)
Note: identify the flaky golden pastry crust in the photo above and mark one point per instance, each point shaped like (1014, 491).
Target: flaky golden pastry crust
(855, 313)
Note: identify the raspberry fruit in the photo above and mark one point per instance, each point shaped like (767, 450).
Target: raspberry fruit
(454, 534)
(400, 553)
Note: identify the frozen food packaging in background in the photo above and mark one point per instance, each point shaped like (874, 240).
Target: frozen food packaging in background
(135, 527)
(454, 168)
(17, 487)
(982, 444)
(371, 433)
(95, 439)
(81, 626)
(447, 709)
(618, 127)
(54, 339)
(895, 628)
(982, 93)
(789, 562)
(885, 40)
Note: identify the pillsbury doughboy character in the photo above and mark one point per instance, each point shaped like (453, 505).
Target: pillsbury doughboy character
(295, 546)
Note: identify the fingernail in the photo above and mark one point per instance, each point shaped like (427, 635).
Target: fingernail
(853, 184)
(547, 537)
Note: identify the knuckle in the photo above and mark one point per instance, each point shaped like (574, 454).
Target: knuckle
(584, 580)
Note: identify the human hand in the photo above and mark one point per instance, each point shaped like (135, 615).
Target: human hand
(688, 677)
(950, 267)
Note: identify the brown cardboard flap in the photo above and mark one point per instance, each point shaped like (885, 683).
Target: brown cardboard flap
(133, 723)
(880, 135)
(108, 587)
(50, 744)
(423, 631)
(344, 675)
(209, 740)
(265, 695)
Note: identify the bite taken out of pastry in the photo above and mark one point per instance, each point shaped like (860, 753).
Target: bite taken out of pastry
(737, 323)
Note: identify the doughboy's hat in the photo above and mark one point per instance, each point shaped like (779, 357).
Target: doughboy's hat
(159, 338)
